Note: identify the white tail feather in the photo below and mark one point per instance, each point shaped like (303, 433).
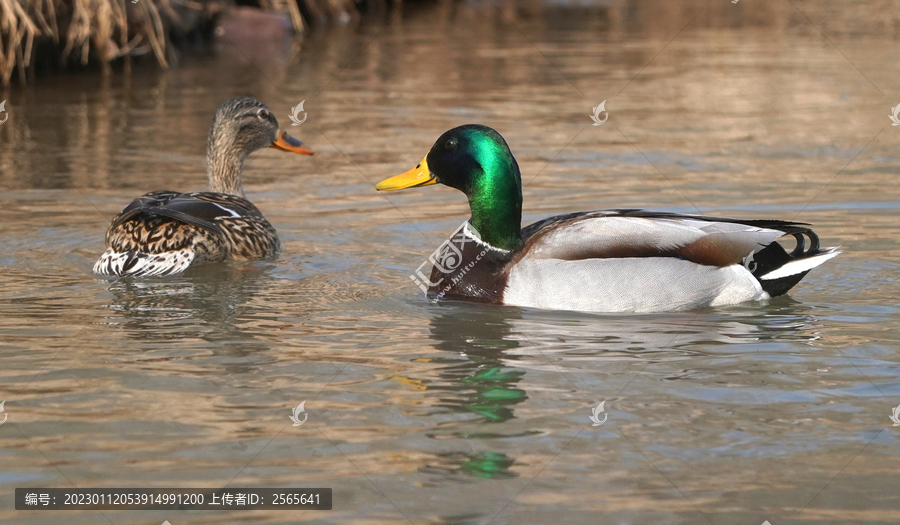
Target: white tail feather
(139, 264)
(801, 265)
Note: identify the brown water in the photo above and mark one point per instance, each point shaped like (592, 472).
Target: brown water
(456, 413)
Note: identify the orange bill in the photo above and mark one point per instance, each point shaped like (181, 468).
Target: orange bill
(286, 142)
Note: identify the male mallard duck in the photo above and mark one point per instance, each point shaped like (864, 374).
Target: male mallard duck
(602, 261)
(164, 232)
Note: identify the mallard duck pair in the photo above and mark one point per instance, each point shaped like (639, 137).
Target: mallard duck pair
(602, 261)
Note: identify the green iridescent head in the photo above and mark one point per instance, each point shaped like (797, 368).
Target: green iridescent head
(475, 160)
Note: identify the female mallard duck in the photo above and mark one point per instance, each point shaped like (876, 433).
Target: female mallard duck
(164, 232)
(602, 261)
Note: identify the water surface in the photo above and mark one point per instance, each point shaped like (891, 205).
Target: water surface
(459, 413)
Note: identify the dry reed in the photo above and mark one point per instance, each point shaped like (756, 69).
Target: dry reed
(110, 29)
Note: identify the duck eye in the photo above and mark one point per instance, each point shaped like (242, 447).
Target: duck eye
(451, 144)
(263, 114)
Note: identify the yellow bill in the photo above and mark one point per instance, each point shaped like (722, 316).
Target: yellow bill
(418, 176)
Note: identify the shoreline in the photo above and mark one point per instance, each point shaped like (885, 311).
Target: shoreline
(104, 35)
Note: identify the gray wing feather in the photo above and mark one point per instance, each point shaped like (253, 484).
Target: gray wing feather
(614, 237)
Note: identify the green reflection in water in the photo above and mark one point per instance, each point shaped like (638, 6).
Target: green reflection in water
(476, 377)
(489, 465)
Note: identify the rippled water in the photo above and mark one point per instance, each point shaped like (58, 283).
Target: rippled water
(459, 413)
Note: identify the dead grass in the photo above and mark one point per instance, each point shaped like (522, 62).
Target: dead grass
(108, 29)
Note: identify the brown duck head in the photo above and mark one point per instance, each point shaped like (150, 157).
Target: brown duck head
(241, 126)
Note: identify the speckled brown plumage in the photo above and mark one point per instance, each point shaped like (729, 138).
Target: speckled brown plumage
(213, 226)
(165, 232)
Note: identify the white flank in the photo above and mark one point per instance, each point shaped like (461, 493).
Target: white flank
(799, 266)
(147, 265)
(648, 284)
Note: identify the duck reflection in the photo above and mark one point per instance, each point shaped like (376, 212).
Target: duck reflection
(488, 352)
(486, 465)
(214, 303)
(477, 378)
